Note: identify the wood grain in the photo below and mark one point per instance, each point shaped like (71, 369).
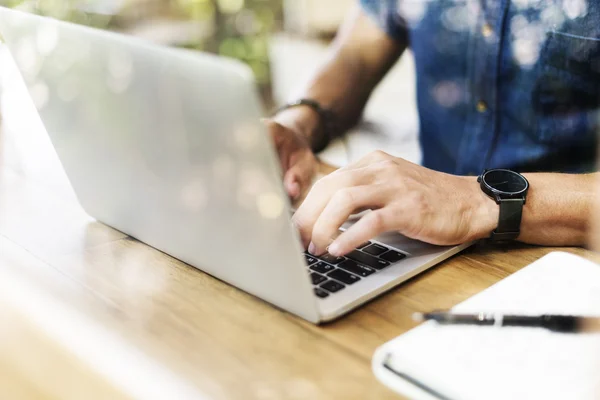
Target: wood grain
(221, 341)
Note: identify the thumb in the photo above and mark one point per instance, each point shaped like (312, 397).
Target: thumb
(291, 182)
(298, 177)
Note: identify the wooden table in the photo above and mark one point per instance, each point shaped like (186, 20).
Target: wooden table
(136, 306)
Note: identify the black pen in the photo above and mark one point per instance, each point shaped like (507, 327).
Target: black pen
(555, 323)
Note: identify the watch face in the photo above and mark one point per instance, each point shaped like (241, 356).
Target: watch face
(505, 181)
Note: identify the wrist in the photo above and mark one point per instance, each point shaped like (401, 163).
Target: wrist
(558, 209)
(302, 120)
(485, 212)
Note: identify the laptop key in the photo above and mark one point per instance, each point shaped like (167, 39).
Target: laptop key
(316, 278)
(355, 268)
(332, 286)
(322, 267)
(365, 244)
(343, 276)
(310, 260)
(393, 256)
(368, 260)
(331, 259)
(375, 249)
(321, 293)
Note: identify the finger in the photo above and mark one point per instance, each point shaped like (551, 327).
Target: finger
(371, 225)
(291, 182)
(343, 204)
(299, 176)
(319, 197)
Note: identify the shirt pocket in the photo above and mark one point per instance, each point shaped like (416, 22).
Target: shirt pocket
(567, 92)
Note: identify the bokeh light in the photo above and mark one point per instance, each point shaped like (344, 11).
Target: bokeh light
(234, 28)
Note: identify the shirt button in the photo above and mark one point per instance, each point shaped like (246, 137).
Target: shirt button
(486, 30)
(481, 106)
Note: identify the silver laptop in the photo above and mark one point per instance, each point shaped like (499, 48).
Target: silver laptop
(166, 145)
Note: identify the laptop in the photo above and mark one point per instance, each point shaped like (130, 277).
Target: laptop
(166, 145)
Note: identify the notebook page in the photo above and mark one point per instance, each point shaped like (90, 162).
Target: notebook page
(469, 362)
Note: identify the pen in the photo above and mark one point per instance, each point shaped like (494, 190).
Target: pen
(555, 323)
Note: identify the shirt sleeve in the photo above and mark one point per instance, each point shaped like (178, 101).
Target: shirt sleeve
(387, 16)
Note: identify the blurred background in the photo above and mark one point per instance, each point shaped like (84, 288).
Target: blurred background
(283, 41)
(241, 29)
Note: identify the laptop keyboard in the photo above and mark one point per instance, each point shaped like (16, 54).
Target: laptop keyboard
(330, 274)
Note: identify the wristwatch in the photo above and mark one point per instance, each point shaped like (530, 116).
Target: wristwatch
(509, 190)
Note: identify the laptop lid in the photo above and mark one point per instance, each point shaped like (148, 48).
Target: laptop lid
(166, 146)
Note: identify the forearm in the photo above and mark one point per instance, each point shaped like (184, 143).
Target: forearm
(360, 56)
(558, 210)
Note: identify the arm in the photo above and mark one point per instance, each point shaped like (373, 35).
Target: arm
(360, 56)
(435, 207)
(559, 209)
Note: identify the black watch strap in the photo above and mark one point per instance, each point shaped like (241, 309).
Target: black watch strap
(509, 223)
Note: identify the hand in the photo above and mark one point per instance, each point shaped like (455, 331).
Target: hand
(417, 202)
(298, 162)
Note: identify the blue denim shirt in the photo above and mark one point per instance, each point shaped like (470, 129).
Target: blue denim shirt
(500, 83)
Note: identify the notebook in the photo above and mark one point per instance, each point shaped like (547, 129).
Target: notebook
(470, 362)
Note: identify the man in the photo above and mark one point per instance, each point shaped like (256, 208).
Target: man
(500, 84)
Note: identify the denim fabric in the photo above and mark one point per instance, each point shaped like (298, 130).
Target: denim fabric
(502, 84)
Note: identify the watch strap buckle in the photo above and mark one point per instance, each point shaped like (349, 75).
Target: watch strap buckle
(504, 236)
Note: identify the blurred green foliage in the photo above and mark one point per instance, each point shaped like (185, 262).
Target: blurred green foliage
(242, 29)
(236, 28)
